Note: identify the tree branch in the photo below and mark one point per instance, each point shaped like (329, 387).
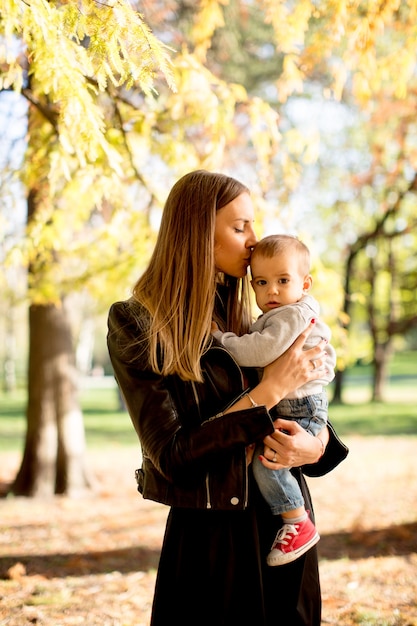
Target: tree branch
(49, 113)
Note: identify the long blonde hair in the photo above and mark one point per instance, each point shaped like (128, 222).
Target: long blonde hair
(179, 286)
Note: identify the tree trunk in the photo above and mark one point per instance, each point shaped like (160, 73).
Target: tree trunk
(340, 374)
(54, 454)
(337, 387)
(381, 359)
(9, 366)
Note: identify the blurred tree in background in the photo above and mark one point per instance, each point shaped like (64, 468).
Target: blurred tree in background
(311, 103)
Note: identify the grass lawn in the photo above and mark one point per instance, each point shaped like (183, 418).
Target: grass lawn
(107, 425)
(397, 415)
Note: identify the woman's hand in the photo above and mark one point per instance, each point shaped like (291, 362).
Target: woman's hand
(291, 370)
(292, 446)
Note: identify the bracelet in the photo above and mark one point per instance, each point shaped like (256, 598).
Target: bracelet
(253, 403)
(322, 448)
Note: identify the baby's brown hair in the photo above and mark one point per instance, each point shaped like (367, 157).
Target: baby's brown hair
(273, 245)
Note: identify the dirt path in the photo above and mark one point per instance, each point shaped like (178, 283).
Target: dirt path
(92, 561)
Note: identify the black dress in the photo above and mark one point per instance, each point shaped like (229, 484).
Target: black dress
(213, 571)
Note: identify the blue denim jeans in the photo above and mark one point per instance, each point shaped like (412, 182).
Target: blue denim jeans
(279, 487)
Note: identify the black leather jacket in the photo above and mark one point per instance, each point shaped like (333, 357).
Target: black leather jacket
(193, 455)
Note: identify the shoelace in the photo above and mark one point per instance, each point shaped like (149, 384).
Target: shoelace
(285, 533)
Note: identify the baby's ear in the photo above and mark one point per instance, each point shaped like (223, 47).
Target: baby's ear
(307, 283)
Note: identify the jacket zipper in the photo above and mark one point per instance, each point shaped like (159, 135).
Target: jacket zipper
(242, 380)
(245, 504)
(208, 496)
(207, 481)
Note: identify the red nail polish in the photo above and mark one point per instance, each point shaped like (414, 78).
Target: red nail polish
(313, 321)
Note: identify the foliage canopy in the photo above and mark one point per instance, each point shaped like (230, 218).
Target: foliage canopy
(117, 115)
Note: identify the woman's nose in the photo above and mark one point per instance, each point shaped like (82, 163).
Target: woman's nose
(252, 239)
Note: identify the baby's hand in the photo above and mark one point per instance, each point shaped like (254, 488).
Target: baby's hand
(214, 327)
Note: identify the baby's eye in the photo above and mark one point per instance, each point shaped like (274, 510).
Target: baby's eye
(283, 281)
(261, 283)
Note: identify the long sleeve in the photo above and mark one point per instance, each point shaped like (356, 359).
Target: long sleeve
(272, 334)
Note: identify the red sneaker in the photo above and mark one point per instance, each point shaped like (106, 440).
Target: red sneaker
(292, 541)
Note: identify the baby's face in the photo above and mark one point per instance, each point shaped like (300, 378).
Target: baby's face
(278, 281)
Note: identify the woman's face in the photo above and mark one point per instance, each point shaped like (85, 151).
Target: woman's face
(234, 236)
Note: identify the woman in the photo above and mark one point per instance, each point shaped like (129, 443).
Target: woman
(189, 402)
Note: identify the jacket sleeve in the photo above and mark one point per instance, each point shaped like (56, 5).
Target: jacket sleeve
(176, 444)
(335, 453)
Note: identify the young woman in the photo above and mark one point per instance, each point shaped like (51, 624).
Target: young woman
(197, 415)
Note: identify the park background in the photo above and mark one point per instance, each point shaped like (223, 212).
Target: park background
(103, 106)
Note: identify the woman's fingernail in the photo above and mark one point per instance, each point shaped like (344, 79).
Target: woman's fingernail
(313, 321)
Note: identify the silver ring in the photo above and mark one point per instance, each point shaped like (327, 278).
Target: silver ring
(274, 458)
(314, 364)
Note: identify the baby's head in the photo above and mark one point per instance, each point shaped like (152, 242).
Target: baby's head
(280, 266)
